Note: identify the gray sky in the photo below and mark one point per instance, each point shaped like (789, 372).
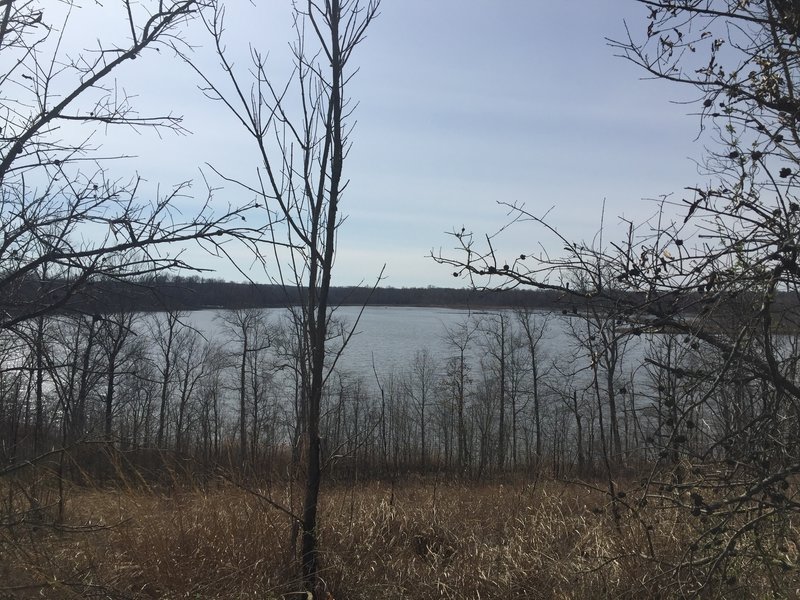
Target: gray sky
(462, 103)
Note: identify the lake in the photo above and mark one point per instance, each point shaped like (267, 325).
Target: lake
(390, 336)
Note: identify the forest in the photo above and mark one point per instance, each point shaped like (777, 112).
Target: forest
(618, 419)
(513, 392)
(176, 292)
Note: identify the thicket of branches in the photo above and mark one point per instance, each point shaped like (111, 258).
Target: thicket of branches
(57, 192)
(708, 268)
(66, 217)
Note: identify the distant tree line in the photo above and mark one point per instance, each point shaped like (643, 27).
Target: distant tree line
(164, 292)
(168, 292)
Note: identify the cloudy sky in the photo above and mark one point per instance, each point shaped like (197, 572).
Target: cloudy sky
(462, 104)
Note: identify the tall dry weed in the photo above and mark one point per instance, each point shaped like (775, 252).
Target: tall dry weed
(420, 540)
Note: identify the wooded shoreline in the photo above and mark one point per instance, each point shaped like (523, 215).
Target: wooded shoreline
(193, 293)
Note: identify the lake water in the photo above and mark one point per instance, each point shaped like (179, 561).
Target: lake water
(390, 336)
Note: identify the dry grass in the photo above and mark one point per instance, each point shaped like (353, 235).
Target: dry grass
(418, 540)
(487, 541)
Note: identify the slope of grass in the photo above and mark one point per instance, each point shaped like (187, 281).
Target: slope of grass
(418, 540)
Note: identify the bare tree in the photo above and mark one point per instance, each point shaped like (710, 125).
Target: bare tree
(191, 368)
(54, 190)
(138, 390)
(534, 327)
(211, 397)
(459, 338)
(302, 148)
(165, 330)
(716, 267)
(420, 387)
(249, 329)
(116, 331)
(497, 344)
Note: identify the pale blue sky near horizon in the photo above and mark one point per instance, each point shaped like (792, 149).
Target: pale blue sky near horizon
(461, 104)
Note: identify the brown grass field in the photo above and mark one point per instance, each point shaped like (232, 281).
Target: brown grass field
(419, 539)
